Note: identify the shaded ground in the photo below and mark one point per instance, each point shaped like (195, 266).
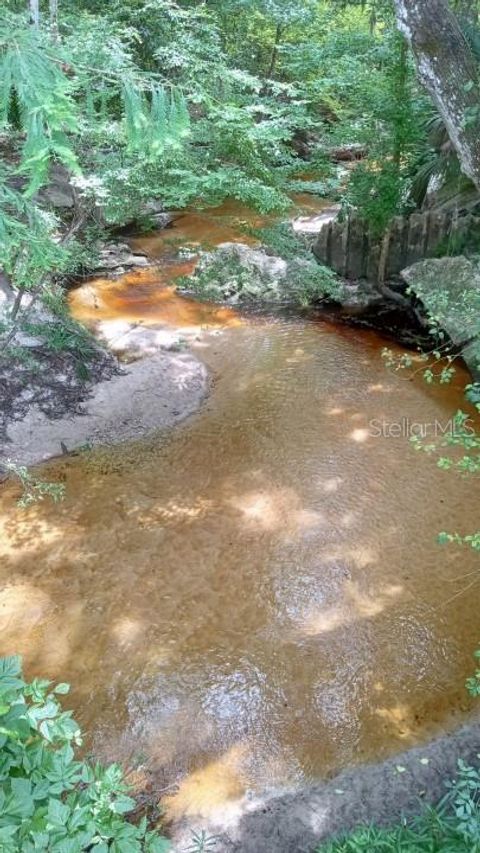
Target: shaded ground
(298, 821)
(55, 382)
(154, 393)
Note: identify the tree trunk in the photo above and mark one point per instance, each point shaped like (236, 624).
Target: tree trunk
(274, 54)
(447, 69)
(6, 287)
(53, 7)
(34, 12)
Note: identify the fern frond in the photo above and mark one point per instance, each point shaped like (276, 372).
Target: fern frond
(44, 99)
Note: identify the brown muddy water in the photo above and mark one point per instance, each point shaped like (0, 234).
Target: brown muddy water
(256, 599)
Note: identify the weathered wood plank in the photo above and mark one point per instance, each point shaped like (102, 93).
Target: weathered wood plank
(354, 252)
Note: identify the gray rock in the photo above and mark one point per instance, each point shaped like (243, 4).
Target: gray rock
(155, 212)
(4, 304)
(360, 297)
(153, 207)
(59, 191)
(136, 340)
(23, 339)
(161, 220)
(118, 257)
(312, 225)
(6, 292)
(269, 267)
(238, 273)
(450, 290)
(471, 357)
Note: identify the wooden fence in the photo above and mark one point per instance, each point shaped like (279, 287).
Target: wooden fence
(353, 252)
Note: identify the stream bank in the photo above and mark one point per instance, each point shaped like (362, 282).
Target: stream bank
(155, 393)
(50, 390)
(298, 821)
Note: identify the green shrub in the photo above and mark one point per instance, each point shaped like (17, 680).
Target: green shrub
(280, 239)
(49, 800)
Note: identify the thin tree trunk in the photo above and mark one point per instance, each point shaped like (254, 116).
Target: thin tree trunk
(274, 56)
(34, 12)
(447, 69)
(53, 7)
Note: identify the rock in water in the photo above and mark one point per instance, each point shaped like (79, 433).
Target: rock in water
(117, 257)
(238, 273)
(235, 273)
(450, 290)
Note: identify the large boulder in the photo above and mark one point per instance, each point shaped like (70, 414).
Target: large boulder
(235, 272)
(117, 258)
(239, 274)
(58, 192)
(450, 290)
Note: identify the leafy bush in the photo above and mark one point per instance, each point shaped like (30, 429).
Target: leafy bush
(309, 282)
(49, 800)
(280, 239)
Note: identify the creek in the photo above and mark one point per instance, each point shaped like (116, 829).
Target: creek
(256, 598)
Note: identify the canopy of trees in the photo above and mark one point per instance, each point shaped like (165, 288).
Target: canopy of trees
(191, 102)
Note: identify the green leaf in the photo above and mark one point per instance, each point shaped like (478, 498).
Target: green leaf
(7, 833)
(57, 813)
(10, 672)
(158, 845)
(443, 538)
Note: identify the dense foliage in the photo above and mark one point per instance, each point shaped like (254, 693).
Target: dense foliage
(49, 799)
(192, 102)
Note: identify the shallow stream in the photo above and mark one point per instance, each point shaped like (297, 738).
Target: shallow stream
(257, 598)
